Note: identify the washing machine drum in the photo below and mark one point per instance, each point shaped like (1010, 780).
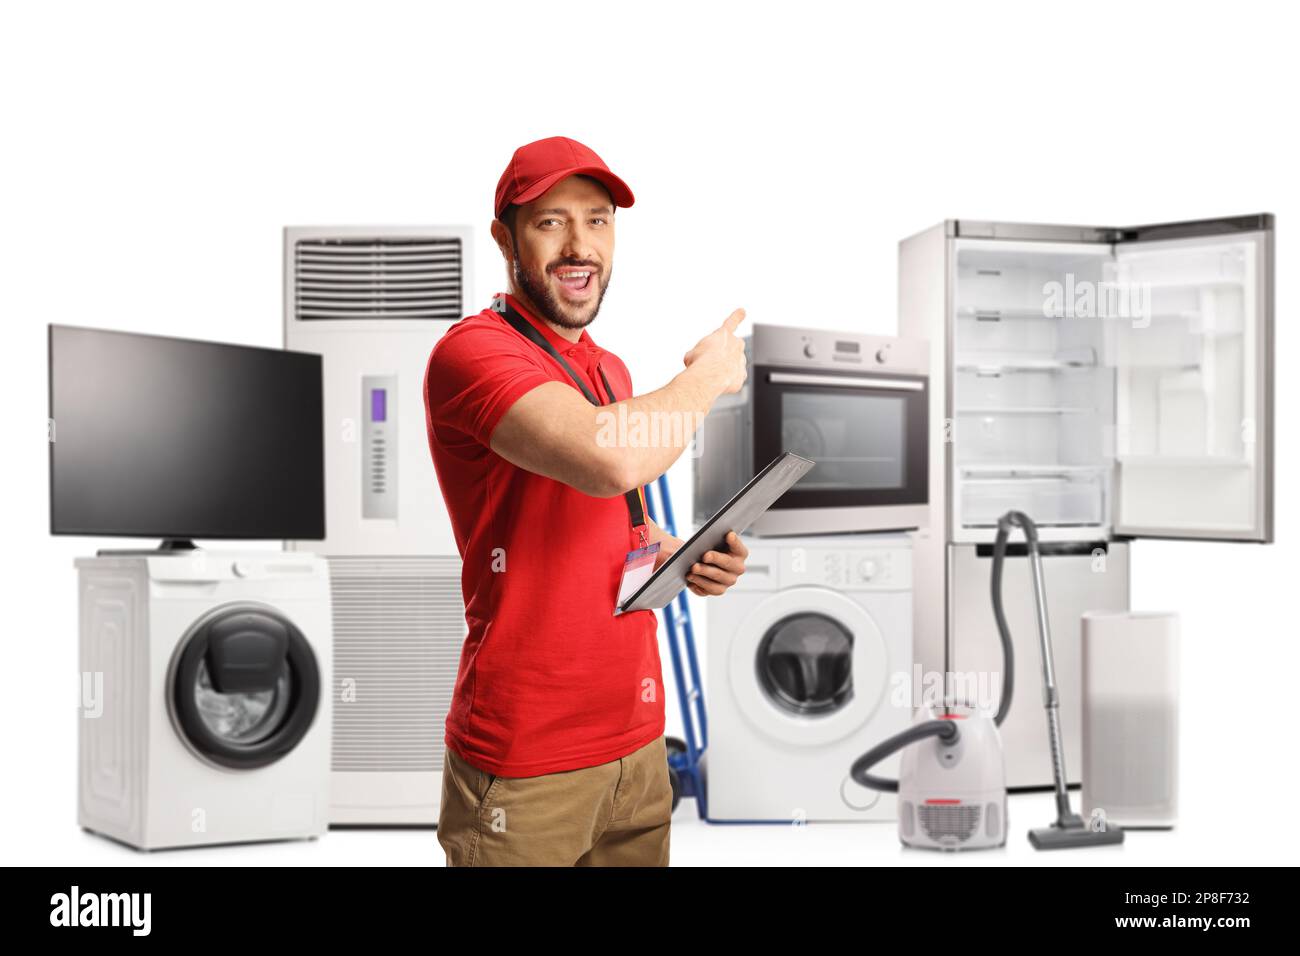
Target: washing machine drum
(245, 687)
(805, 664)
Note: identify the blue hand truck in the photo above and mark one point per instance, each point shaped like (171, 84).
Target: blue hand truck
(683, 755)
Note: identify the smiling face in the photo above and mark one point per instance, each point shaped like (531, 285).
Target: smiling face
(561, 253)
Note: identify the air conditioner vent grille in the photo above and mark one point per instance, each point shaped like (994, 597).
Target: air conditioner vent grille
(399, 623)
(378, 278)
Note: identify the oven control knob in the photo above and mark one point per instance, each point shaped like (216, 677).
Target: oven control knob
(882, 356)
(867, 569)
(810, 351)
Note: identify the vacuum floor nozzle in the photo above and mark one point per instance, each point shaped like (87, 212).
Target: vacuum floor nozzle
(1074, 834)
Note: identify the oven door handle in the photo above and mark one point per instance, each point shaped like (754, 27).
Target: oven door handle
(844, 381)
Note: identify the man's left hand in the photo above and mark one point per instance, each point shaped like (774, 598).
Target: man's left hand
(718, 570)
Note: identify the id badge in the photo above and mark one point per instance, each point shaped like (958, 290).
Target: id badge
(637, 568)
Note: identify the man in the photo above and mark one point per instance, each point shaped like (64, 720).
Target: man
(555, 749)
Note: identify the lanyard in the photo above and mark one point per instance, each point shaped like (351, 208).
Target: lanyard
(634, 498)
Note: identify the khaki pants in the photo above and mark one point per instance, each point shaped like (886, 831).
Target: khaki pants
(613, 814)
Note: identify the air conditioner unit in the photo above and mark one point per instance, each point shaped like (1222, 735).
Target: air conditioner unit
(373, 301)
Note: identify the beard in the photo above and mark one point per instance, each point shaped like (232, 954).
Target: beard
(534, 286)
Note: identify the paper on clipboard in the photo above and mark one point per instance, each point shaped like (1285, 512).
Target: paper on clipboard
(759, 494)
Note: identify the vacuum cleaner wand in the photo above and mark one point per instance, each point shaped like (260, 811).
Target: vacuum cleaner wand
(1069, 830)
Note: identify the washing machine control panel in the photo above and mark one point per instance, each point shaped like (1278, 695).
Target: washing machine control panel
(885, 569)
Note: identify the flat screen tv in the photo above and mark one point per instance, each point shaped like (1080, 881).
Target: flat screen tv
(178, 439)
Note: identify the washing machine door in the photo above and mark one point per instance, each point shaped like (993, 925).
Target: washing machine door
(244, 686)
(809, 666)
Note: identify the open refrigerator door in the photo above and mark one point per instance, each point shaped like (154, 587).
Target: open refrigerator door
(1193, 387)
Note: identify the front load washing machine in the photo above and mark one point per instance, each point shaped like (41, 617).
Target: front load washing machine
(809, 660)
(205, 706)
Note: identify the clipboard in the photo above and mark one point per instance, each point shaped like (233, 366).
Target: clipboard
(759, 494)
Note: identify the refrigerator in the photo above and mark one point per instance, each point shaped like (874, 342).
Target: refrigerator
(1114, 383)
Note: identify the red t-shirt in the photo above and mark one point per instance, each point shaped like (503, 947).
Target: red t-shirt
(549, 678)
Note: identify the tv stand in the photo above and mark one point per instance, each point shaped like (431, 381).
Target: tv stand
(166, 546)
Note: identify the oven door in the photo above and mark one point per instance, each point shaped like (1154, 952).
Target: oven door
(867, 432)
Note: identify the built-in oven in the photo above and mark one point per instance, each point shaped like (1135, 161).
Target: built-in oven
(857, 405)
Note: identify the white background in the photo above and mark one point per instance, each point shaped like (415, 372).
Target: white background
(153, 152)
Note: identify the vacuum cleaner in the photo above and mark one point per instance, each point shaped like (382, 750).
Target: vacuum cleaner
(952, 792)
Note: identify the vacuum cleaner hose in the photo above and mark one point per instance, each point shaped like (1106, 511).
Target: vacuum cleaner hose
(947, 730)
(1005, 523)
(931, 728)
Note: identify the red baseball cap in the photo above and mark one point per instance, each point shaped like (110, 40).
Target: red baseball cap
(538, 166)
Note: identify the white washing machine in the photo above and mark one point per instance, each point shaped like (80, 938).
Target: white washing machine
(806, 657)
(205, 705)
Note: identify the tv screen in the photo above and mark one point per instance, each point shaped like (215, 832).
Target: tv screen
(174, 438)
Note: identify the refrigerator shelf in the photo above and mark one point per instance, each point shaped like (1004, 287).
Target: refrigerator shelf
(1162, 366)
(1222, 283)
(1027, 410)
(973, 314)
(1193, 321)
(1087, 532)
(1041, 355)
(976, 314)
(1020, 481)
(1184, 461)
(1026, 365)
(1072, 499)
(1016, 470)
